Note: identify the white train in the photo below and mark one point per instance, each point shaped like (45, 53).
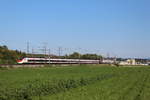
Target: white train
(56, 61)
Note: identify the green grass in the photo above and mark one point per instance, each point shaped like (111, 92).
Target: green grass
(85, 82)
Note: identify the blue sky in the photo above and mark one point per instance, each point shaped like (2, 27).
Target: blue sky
(118, 27)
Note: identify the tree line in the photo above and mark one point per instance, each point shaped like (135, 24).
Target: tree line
(77, 55)
(8, 56)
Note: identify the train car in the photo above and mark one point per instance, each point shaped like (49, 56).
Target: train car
(56, 61)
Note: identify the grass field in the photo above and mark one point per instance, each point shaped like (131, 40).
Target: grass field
(85, 82)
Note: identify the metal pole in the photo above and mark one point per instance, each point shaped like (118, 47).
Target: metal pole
(49, 55)
(79, 55)
(32, 51)
(28, 48)
(59, 51)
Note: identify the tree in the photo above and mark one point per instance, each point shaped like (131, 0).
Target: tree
(91, 56)
(75, 55)
(9, 56)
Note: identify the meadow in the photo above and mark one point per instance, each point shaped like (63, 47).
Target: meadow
(84, 82)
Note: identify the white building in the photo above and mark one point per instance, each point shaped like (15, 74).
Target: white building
(128, 62)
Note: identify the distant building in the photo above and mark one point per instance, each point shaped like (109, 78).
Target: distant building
(128, 62)
(134, 62)
(122, 61)
(148, 63)
(131, 61)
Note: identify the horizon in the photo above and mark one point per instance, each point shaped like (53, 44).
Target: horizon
(118, 28)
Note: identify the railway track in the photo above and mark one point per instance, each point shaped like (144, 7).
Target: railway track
(32, 65)
(20, 65)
